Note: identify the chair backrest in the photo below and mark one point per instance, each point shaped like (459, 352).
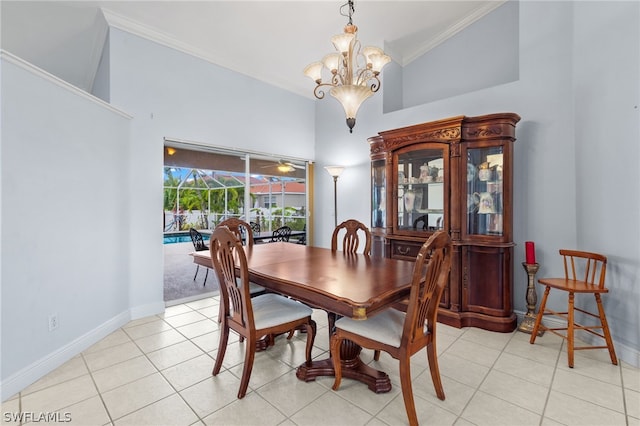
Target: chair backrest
(230, 263)
(351, 239)
(281, 234)
(197, 240)
(255, 227)
(430, 277)
(593, 265)
(240, 228)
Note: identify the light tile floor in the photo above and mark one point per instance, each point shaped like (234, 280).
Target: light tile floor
(157, 371)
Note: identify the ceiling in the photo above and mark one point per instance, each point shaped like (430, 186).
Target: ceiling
(271, 41)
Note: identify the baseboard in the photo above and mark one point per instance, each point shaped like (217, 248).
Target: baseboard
(190, 298)
(147, 310)
(32, 373)
(624, 352)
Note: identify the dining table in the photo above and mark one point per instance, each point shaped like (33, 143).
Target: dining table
(352, 285)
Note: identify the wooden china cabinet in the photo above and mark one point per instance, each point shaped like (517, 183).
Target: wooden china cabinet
(454, 174)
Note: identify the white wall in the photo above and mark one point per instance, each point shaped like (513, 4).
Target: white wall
(172, 94)
(64, 222)
(606, 86)
(577, 94)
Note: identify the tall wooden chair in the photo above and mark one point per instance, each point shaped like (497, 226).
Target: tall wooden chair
(243, 232)
(250, 317)
(403, 334)
(241, 229)
(594, 267)
(198, 245)
(355, 233)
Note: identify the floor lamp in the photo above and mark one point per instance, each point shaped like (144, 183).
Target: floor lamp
(335, 171)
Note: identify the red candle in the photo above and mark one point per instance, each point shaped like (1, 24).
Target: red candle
(530, 252)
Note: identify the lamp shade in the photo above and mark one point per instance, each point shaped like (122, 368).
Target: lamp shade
(332, 61)
(351, 97)
(334, 171)
(342, 42)
(314, 71)
(378, 62)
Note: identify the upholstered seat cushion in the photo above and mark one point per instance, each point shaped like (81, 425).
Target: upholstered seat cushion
(385, 327)
(253, 287)
(272, 309)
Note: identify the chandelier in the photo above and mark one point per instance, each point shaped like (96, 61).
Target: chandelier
(354, 72)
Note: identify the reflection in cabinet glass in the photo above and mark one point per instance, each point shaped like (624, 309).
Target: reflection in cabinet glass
(453, 174)
(378, 194)
(484, 191)
(419, 194)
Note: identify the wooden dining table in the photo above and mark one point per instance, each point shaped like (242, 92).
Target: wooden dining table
(352, 285)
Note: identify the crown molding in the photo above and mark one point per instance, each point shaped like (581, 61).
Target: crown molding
(451, 31)
(29, 67)
(136, 28)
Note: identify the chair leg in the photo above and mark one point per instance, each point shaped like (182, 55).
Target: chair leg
(205, 277)
(432, 357)
(249, 355)
(197, 269)
(570, 329)
(605, 330)
(407, 391)
(536, 326)
(376, 355)
(336, 342)
(222, 348)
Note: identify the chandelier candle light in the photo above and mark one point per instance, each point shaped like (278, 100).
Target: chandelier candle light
(354, 72)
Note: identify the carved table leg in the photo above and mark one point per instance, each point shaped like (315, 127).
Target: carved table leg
(352, 367)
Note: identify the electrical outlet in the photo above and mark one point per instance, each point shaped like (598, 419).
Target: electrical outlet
(53, 322)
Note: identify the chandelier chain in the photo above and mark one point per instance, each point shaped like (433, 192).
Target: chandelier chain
(351, 11)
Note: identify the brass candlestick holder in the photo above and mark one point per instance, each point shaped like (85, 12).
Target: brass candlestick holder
(526, 326)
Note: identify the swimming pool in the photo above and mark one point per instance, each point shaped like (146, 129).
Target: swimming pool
(180, 237)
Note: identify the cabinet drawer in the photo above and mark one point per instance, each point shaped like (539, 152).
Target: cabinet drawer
(405, 249)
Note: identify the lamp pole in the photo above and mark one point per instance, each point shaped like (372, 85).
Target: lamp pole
(335, 171)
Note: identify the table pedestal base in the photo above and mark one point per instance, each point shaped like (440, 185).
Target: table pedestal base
(352, 368)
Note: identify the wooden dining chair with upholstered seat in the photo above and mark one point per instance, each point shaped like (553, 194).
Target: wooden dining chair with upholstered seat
(403, 334)
(353, 234)
(250, 317)
(594, 267)
(241, 229)
(198, 245)
(244, 233)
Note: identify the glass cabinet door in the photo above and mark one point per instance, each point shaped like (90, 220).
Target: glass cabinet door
(378, 194)
(485, 191)
(420, 190)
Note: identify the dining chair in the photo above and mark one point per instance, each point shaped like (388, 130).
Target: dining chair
(353, 234)
(199, 245)
(281, 234)
(251, 317)
(594, 267)
(241, 229)
(255, 227)
(354, 231)
(403, 334)
(244, 233)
